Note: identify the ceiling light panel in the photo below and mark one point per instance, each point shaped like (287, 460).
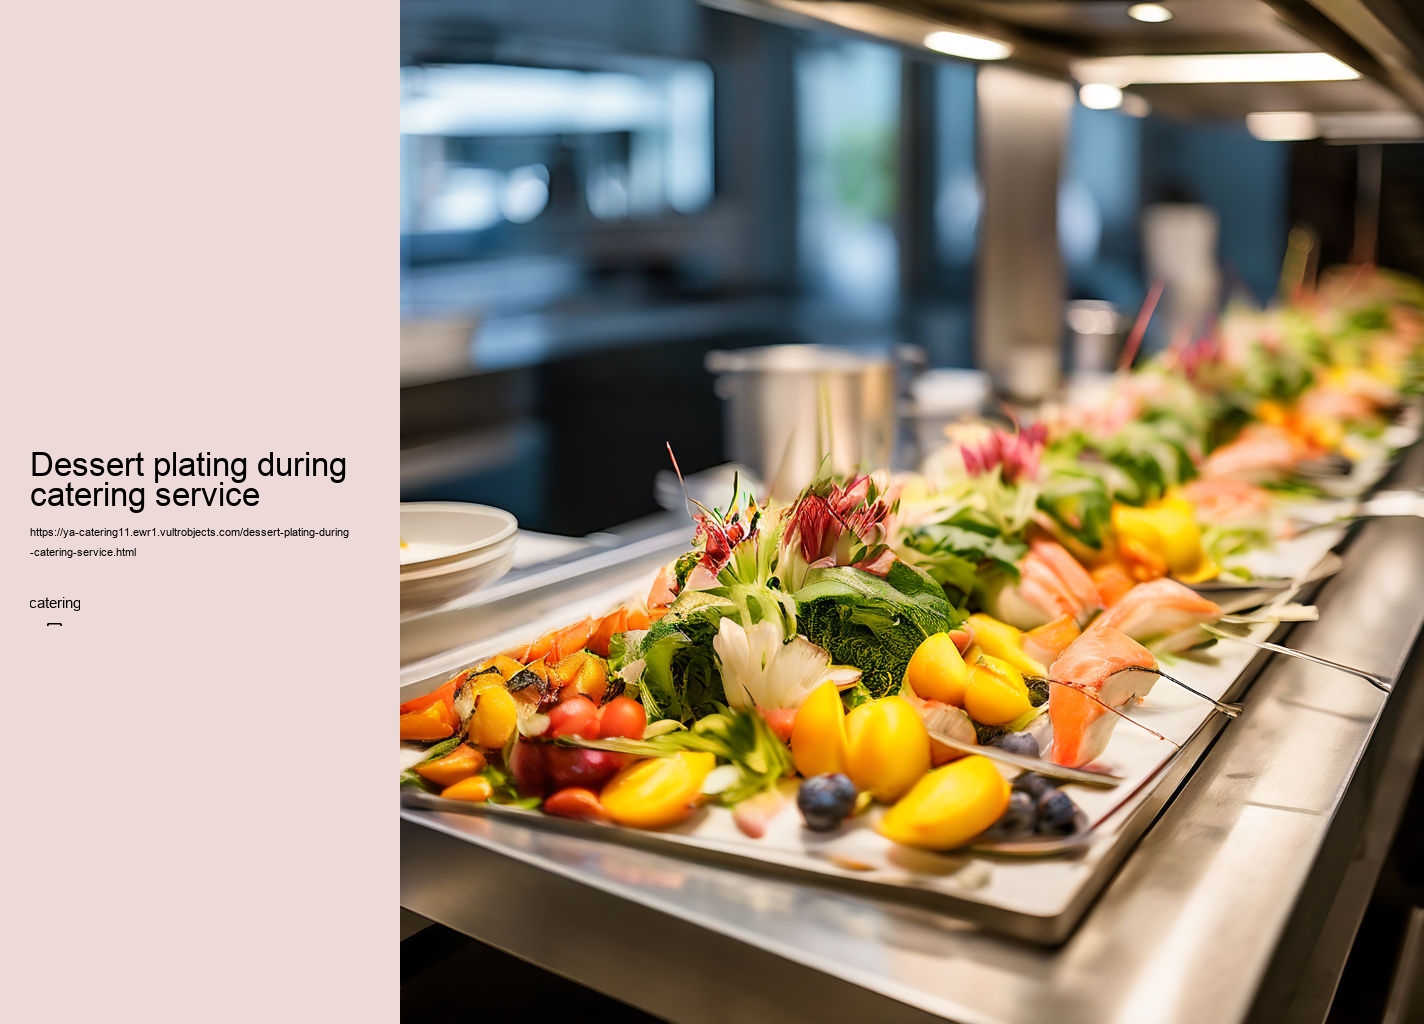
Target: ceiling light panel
(971, 47)
(1191, 68)
(1151, 13)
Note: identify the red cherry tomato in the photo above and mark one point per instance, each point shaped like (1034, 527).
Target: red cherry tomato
(781, 721)
(622, 716)
(577, 716)
(574, 766)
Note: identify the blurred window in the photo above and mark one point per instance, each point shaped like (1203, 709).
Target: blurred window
(1099, 200)
(957, 198)
(848, 120)
(485, 146)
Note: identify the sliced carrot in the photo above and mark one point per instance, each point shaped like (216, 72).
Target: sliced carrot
(664, 589)
(576, 802)
(441, 695)
(609, 626)
(637, 618)
(532, 651)
(475, 790)
(553, 645)
(571, 639)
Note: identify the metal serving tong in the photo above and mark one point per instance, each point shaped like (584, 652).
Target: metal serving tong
(1385, 505)
(1379, 682)
(1326, 567)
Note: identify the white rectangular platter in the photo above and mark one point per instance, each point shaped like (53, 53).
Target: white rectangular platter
(1037, 898)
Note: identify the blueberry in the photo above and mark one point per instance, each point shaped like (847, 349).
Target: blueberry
(1056, 813)
(1021, 815)
(825, 800)
(1034, 784)
(1020, 743)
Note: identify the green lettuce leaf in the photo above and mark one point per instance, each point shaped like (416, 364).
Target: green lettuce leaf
(957, 552)
(872, 623)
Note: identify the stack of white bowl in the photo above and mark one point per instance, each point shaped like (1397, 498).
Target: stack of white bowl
(449, 549)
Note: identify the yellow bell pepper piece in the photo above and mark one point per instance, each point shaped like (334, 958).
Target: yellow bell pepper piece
(949, 806)
(937, 671)
(1162, 535)
(658, 791)
(818, 734)
(461, 763)
(494, 719)
(1000, 640)
(887, 747)
(475, 790)
(997, 694)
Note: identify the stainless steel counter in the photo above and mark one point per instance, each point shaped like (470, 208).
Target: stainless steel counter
(1240, 902)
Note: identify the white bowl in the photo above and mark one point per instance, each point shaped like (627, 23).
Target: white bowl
(450, 549)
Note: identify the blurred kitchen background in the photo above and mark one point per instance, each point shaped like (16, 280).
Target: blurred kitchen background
(597, 194)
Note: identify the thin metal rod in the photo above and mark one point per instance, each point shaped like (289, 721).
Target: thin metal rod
(1032, 764)
(1377, 681)
(1343, 520)
(1326, 567)
(1229, 710)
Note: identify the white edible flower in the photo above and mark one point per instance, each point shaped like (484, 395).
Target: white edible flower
(760, 670)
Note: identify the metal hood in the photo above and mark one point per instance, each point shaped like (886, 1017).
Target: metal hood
(1095, 41)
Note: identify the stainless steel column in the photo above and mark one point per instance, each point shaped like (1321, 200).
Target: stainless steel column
(1023, 125)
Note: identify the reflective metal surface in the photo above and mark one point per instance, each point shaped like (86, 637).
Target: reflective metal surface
(787, 407)
(1239, 903)
(1022, 128)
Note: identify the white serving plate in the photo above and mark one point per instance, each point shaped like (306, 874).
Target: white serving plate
(449, 549)
(435, 533)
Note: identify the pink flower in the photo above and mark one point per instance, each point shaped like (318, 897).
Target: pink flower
(825, 524)
(1198, 356)
(1016, 454)
(722, 535)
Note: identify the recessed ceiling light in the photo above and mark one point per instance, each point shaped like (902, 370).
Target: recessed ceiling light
(1187, 68)
(971, 47)
(1100, 96)
(1151, 13)
(1282, 125)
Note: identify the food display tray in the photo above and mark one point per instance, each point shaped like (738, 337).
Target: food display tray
(1038, 898)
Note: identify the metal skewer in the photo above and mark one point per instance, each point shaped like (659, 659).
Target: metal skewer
(1229, 710)
(1379, 682)
(1031, 764)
